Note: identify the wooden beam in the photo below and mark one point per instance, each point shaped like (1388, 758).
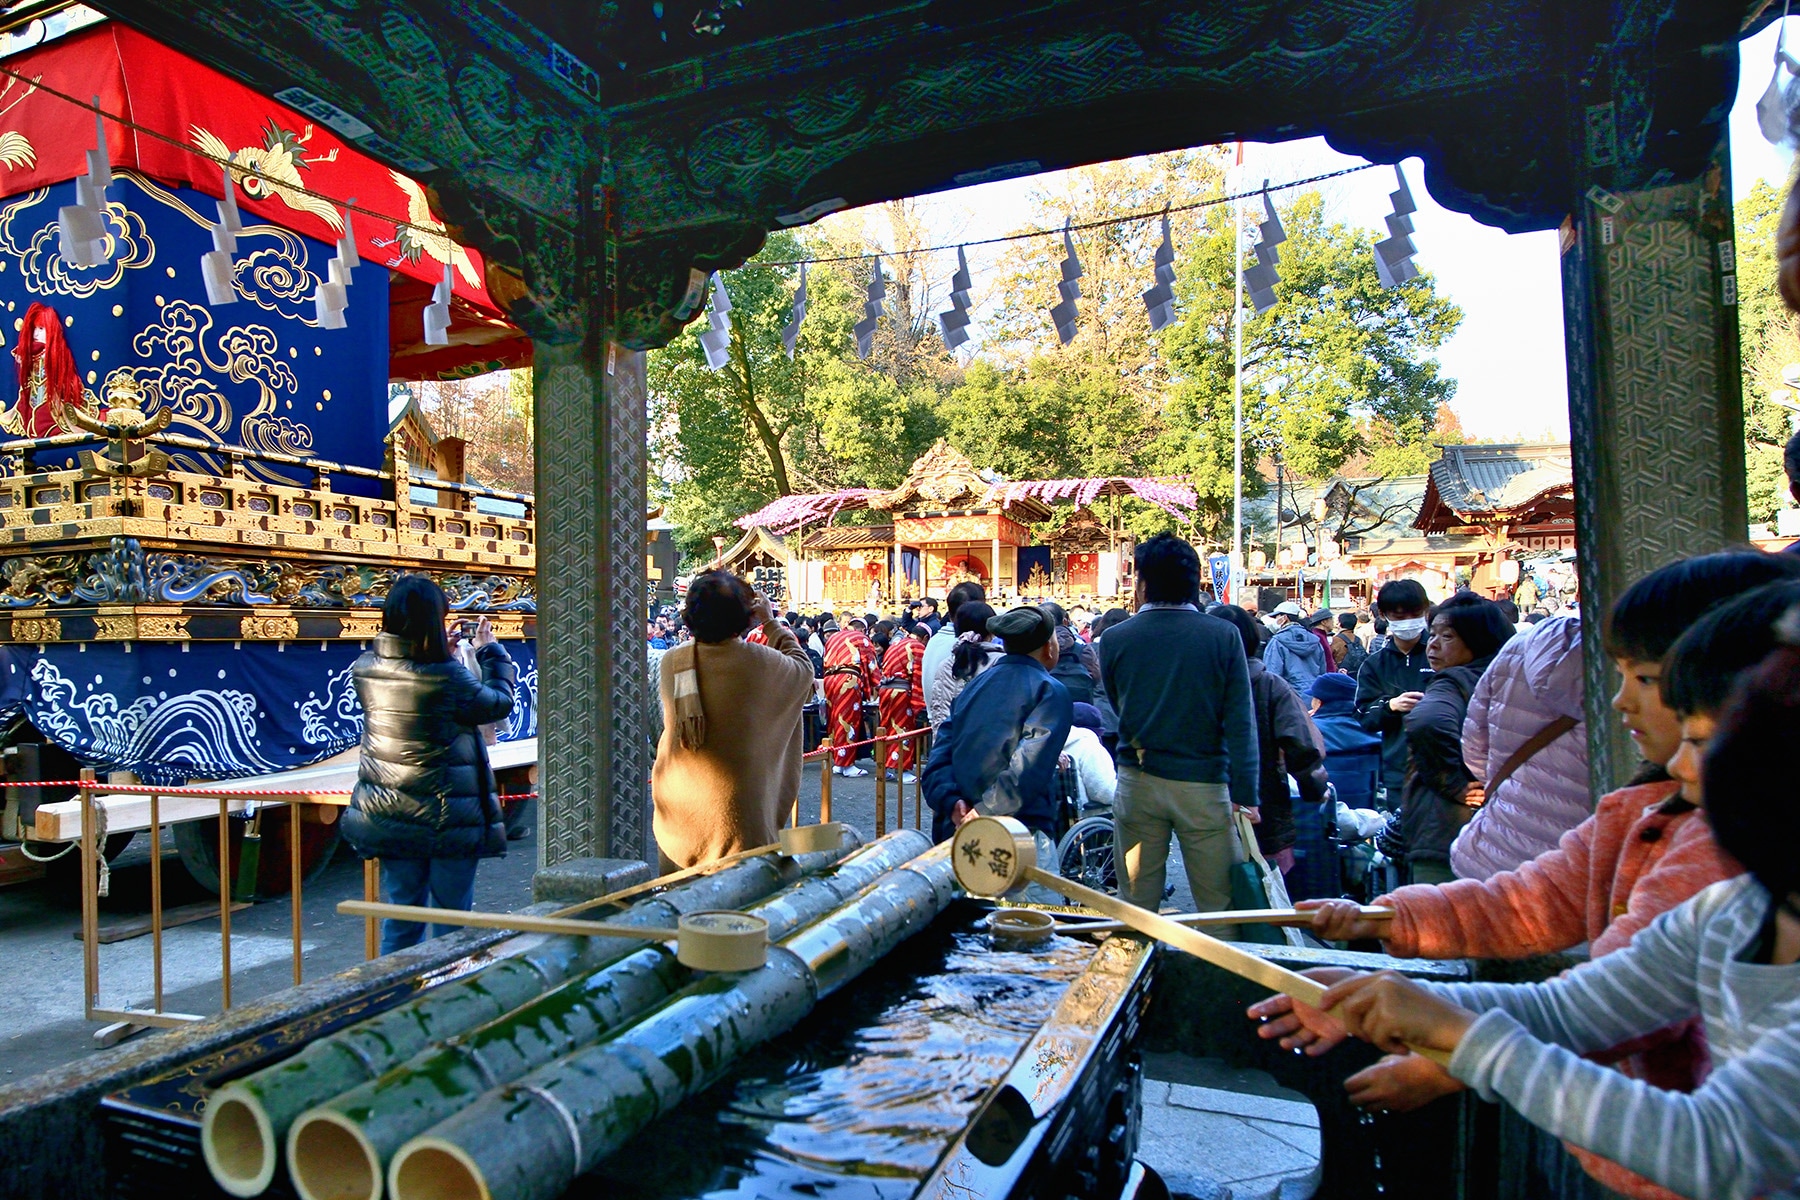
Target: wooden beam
(130, 811)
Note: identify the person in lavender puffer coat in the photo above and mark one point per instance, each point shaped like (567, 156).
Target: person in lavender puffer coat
(1535, 679)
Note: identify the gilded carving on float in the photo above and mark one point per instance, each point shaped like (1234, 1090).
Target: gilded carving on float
(36, 629)
(275, 629)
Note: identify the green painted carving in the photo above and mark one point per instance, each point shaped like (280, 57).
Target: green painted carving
(717, 126)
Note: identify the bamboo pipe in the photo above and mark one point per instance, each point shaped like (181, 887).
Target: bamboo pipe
(792, 841)
(1072, 922)
(340, 1149)
(245, 1121)
(532, 1139)
(994, 855)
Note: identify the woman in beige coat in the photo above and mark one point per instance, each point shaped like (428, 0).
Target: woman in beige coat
(728, 763)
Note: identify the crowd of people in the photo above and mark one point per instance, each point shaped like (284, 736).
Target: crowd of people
(1452, 749)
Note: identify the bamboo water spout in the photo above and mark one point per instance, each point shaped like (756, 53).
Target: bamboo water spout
(531, 1139)
(245, 1121)
(340, 1149)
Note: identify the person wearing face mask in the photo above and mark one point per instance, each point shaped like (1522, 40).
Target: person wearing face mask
(1391, 681)
(1441, 793)
(1647, 847)
(1294, 654)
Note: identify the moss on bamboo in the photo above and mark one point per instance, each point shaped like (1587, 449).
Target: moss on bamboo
(531, 1139)
(376, 1118)
(246, 1121)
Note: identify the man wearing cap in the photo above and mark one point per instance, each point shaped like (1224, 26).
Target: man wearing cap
(1294, 654)
(1187, 729)
(995, 755)
(1320, 626)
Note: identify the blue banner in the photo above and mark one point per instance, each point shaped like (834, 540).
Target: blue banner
(1220, 565)
(174, 711)
(258, 372)
(1035, 559)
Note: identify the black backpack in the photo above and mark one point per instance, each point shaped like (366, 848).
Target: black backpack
(1349, 652)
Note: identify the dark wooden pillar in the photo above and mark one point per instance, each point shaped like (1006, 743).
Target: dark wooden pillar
(1656, 409)
(593, 691)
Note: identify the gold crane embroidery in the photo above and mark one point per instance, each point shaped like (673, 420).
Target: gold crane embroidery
(272, 170)
(16, 149)
(412, 240)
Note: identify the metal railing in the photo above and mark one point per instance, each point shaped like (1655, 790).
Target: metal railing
(921, 750)
(89, 789)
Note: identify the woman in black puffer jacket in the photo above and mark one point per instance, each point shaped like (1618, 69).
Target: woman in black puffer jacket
(425, 801)
(1441, 795)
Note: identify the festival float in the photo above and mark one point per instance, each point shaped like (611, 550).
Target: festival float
(205, 492)
(950, 521)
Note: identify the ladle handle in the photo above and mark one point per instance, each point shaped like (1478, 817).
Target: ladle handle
(519, 922)
(1209, 949)
(1241, 916)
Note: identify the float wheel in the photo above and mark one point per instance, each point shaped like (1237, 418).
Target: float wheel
(198, 844)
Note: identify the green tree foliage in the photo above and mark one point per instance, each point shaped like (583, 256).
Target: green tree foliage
(1767, 346)
(1340, 370)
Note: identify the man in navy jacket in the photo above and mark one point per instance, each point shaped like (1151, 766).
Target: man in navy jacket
(996, 753)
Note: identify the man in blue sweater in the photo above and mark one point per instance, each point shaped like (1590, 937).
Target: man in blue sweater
(996, 753)
(1187, 732)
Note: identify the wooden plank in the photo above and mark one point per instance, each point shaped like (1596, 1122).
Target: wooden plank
(127, 928)
(61, 821)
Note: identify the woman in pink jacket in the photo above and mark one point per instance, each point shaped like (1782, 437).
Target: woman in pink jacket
(1645, 850)
(1526, 713)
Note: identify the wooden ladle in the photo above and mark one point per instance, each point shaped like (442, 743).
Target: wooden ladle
(993, 855)
(723, 940)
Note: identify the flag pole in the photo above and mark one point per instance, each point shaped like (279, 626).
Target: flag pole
(1237, 397)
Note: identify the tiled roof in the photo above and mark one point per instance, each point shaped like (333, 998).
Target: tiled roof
(1491, 479)
(850, 537)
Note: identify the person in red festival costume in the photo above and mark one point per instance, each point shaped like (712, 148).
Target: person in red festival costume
(48, 380)
(851, 678)
(902, 690)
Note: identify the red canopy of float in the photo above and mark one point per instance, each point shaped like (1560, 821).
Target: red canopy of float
(44, 140)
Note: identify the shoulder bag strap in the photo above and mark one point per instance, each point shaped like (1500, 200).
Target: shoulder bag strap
(1528, 751)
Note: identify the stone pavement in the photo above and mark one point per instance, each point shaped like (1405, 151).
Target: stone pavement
(1214, 1133)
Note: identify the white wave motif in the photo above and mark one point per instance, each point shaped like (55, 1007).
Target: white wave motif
(202, 733)
(336, 718)
(521, 722)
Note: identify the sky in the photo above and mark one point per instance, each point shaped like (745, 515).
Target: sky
(1507, 356)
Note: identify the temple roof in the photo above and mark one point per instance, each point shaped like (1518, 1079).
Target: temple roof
(1481, 483)
(941, 478)
(850, 537)
(756, 540)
